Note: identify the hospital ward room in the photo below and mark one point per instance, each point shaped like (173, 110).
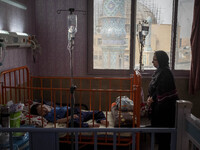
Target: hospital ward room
(99, 75)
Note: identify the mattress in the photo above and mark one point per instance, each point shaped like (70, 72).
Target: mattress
(109, 118)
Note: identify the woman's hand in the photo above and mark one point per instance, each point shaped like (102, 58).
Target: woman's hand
(76, 116)
(149, 101)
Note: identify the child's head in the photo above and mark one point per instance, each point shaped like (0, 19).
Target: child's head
(39, 109)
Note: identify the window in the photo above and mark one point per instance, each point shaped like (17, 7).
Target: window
(184, 23)
(112, 28)
(120, 34)
(157, 16)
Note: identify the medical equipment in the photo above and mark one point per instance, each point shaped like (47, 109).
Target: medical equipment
(143, 30)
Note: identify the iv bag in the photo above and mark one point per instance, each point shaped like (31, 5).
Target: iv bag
(72, 26)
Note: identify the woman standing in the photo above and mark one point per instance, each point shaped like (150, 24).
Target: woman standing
(162, 98)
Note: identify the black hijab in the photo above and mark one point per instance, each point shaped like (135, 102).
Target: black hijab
(163, 62)
(162, 58)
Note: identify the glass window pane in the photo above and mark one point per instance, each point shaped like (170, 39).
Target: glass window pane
(111, 35)
(183, 48)
(156, 16)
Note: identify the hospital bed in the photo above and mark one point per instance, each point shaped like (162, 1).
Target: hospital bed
(95, 93)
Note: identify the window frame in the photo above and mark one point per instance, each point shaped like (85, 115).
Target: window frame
(123, 72)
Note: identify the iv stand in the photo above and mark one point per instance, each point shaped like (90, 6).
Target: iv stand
(141, 53)
(143, 31)
(70, 47)
(72, 89)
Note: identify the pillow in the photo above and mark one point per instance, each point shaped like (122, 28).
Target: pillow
(26, 105)
(34, 120)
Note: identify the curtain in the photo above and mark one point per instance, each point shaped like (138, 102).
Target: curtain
(194, 81)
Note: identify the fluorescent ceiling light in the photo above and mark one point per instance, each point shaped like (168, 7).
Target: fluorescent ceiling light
(15, 3)
(22, 34)
(4, 32)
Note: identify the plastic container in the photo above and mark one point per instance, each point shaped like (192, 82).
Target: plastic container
(15, 122)
(5, 116)
(15, 119)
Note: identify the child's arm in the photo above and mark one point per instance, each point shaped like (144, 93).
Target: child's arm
(64, 120)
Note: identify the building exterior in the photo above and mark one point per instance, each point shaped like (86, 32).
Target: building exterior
(112, 37)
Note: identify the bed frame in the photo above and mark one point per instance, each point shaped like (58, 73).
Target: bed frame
(185, 136)
(188, 127)
(96, 93)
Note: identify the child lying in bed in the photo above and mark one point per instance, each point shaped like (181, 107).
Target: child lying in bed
(61, 112)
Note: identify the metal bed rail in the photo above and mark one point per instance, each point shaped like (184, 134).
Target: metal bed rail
(47, 138)
(192, 129)
(188, 127)
(98, 93)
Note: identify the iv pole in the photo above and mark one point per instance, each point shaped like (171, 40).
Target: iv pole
(72, 23)
(72, 29)
(71, 36)
(143, 29)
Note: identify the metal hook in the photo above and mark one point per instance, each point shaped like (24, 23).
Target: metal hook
(71, 10)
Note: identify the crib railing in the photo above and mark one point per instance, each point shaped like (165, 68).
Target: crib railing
(14, 83)
(47, 138)
(186, 135)
(97, 93)
(193, 132)
(188, 127)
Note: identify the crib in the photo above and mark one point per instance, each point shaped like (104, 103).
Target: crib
(188, 127)
(18, 85)
(92, 93)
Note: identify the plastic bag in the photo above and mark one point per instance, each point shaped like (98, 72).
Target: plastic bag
(15, 107)
(126, 103)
